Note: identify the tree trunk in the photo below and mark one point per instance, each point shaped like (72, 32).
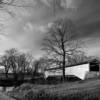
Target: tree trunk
(6, 74)
(63, 60)
(63, 67)
(6, 71)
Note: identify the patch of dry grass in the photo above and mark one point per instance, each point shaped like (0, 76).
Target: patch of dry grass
(86, 90)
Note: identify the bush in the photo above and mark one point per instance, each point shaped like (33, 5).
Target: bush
(24, 87)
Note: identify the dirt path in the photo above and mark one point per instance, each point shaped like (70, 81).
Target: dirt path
(4, 97)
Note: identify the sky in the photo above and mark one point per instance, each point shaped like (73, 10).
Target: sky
(24, 27)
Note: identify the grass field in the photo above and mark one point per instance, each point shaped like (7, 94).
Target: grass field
(82, 90)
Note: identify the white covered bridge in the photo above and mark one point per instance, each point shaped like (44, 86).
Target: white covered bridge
(84, 70)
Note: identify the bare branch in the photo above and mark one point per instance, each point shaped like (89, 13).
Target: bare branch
(11, 3)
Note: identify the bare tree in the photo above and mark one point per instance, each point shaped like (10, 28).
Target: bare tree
(44, 62)
(60, 41)
(12, 55)
(36, 67)
(78, 57)
(16, 62)
(22, 64)
(30, 59)
(5, 62)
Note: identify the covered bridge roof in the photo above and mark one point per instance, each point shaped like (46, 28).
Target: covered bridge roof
(89, 61)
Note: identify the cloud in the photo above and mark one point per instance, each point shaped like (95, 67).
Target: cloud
(26, 27)
(88, 18)
(92, 46)
(31, 28)
(7, 43)
(2, 37)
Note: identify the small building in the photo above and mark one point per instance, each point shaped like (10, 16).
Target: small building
(85, 70)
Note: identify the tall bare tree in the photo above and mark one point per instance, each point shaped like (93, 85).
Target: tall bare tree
(60, 41)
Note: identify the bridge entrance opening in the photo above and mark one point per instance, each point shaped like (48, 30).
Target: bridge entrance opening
(94, 66)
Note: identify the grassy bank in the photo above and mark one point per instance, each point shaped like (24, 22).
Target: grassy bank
(85, 90)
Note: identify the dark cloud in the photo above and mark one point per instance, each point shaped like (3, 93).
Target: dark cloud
(88, 18)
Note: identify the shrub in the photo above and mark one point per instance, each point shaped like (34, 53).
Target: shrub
(24, 87)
